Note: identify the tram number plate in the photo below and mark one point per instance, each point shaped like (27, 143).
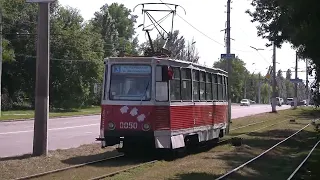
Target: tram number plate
(128, 125)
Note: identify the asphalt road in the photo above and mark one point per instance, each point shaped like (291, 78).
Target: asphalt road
(16, 137)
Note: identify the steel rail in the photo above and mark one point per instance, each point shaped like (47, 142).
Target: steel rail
(123, 170)
(264, 127)
(251, 124)
(305, 159)
(260, 155)
(68, 168)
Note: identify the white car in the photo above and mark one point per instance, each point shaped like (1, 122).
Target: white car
(245, 102)
(289, 100)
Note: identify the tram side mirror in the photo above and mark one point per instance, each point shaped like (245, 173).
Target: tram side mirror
(167, 73)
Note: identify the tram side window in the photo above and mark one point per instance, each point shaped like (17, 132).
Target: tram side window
(186, 92)
(202, 86)
(105, 94)
(223, 88)
(175, 85)
(196, 87)
(226, 88)
(208, 86)
(161, 85)
(220, 88)
(215, 87)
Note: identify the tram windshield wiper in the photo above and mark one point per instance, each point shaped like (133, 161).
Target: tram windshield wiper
(145, 92)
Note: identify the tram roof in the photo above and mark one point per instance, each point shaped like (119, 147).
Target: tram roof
(169, 60)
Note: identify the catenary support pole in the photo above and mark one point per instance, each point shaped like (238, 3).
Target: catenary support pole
(245, 88)
(228, 49)
(1, 24)
(295, 99)
(307, 83)
(274, 80)
(40, 139)
(259, 89)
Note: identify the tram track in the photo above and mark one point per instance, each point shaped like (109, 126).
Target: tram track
(123, 170)
(248, 125)
(109, 174)
(256, 130)
(303, 162)
(238, 168)
(68, 168)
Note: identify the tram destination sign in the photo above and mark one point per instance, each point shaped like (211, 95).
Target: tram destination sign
(131, 69)
(226, 56)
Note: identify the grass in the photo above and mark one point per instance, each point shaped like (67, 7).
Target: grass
(20, 166)
(207, 164)
(28, 114)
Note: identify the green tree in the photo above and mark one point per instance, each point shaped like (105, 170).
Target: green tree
(124, 24)
(18, 78)
(190, 52)
(106, 27)
(288, 84)
(176, 45)
(280, 84)
(265, 92)
(252, 86)
(8, 52)
(288, 74)
(72, 81)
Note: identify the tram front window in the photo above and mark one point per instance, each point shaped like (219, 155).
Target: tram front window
(130, 82)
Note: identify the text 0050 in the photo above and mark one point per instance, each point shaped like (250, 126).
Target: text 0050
(128, 125)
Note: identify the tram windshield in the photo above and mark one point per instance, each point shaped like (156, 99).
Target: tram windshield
(130, 82)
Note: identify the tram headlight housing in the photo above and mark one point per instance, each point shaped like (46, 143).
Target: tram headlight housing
(111, 126)
(146, 127)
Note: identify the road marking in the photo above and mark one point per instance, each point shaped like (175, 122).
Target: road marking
(53, 129)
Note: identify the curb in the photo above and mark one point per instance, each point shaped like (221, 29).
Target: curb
(56, 117)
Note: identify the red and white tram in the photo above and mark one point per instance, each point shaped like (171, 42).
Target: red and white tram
(161, 103)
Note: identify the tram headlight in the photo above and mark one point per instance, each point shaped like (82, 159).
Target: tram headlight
(146, 127)
(111, 126)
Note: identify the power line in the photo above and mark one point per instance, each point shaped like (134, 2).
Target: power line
(215, 40)
(65, 60)
(264, 58)
(203, 32)
(246, 34)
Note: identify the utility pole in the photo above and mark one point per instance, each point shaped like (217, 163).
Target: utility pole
(245, 88)
(228, 49)
(295, 99)
(307, 83)
(40, 137)
(1, 23)
(274, 79)
(259, 90)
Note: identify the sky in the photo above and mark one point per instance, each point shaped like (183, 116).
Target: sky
(209, 17)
